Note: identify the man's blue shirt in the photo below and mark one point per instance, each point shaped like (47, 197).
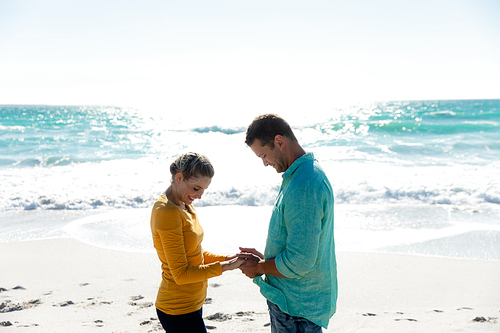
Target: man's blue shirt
(300, 238)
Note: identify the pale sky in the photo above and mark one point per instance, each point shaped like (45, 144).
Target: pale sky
(236, 56)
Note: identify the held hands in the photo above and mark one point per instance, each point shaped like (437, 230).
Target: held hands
(250, 267)
(247, 261)
(231, 263)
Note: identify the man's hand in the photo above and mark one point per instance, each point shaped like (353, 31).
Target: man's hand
(252, 251)
(255, 266)
(251, 266)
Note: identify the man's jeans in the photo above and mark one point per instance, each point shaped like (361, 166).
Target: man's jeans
(284, 323)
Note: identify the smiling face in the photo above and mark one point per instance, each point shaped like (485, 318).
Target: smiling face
(274, 157)
(188, 190)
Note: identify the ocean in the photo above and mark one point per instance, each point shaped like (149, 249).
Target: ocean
(417, 177)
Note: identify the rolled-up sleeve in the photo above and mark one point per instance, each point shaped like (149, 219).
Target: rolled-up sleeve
(300, 239)
(302, 215)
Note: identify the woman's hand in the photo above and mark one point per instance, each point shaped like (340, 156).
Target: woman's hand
(231, 257)
(229, 265)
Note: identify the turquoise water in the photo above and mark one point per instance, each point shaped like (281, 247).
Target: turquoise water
(45, 135)
(412, 177)
(431, 152)
(439, 132)
(408, 176)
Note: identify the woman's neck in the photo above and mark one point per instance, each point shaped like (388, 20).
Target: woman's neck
(171, 194)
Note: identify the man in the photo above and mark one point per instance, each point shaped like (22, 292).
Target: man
(299, 262)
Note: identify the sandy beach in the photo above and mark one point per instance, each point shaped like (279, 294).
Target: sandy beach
(63, 285)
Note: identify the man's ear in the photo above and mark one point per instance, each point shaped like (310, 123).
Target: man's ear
(279, 141)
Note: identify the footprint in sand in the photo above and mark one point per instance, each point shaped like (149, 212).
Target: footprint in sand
(8, 306)
(63, 304)
(245, 313)
(219, 316)
(484, 320)
(147, 322)
(142, 305)
(152, 321)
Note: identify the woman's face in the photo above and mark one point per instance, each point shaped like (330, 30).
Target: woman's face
(191, 189)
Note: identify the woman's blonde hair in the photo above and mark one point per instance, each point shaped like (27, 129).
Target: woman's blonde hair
(192, 165)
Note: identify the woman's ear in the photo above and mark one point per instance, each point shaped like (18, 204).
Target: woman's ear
(179, 177)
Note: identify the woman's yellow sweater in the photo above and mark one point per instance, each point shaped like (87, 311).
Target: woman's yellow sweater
(177, 236)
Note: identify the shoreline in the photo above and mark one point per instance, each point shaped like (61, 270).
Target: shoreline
(61, 285)
(459, 236)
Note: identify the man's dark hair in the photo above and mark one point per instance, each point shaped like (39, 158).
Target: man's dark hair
(266, 127)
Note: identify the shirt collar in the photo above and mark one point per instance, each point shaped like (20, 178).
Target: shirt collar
(298, 162)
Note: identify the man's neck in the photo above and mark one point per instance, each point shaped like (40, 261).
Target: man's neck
(295, 152)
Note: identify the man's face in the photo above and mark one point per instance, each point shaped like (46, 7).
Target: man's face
(274, 157)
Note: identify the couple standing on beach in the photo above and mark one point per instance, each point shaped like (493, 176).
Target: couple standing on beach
(299, 262)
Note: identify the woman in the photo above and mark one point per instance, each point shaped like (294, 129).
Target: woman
(177, 237)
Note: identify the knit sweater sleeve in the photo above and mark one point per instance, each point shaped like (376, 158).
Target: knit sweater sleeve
(212, 257)
(172, 241)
